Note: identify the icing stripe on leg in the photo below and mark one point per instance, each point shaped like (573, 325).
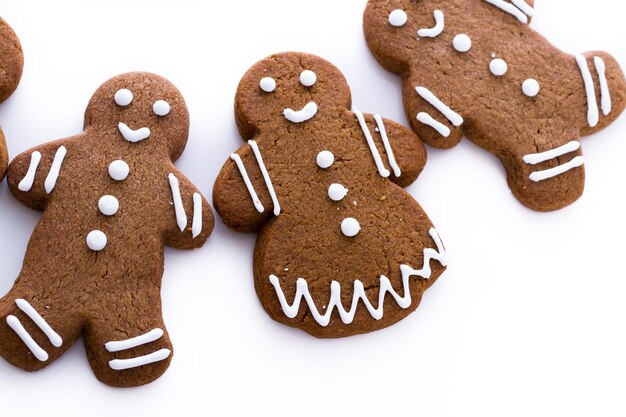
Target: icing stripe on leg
(123, 364)
(593, 116)
(15, 324)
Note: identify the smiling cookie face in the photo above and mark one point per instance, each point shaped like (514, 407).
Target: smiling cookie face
(289, 89)
(143, 109)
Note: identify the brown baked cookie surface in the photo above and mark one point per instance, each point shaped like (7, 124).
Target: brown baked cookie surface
(342, 248)
(475, 67)
(11, 65)
(111, 200)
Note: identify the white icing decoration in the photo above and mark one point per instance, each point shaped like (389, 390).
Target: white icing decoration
(161, 108)
(350, 227)
(246, 179)
(451, 115)
(593, 116)
(308, 78)
(384, 172)
(435, 30)
(462, 43)
(398, 18)
(267, 84)
(390, 155)
(122, 364)
(428, 120)
(561, 169)
(510, 9)
(337, 192)
(604, 85)
(28, 309)
(347, 316)
(537, 158)
(302, 115)
(266, 176)
(498, 67)
(119, 170)
(108, 205)
(123, 97)
(524, 7)
(325, 159)
(181, 216)
(133, 135)
(196, 225)
(27, 182)
(531, 87)
(144, 339)
(96, 240)
(55, 169)
(15, 324)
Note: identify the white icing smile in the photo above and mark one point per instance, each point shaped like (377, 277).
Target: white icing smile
(133, 135)
(303, 115)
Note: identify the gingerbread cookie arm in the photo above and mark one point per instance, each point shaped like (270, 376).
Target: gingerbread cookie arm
(33, 175)
(243, 194)
(4, 156)
(191, 216)
(396, 147)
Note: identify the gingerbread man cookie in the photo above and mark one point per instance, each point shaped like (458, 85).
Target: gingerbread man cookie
(475, 67)
(342, 248)
(112, 199)
(11, 65)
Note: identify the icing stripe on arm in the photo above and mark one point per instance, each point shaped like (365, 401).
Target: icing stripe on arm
(510, 9)
(435, 30)
(384, 172)
(266, 176)
(383, 134)
(196, 225)
(604, 85)
(428, 120)
(27, 182)
(524, 7)
(55, 169)
(53, 336)
(451, 115)
(15, 324)
(246, 179)
(593, 116)
(181, 216)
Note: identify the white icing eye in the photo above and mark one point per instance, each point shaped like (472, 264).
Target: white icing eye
(531, 87)
(398, 18)
(308, 78)
(161, 108)
(498, 67)
(268, 84)
(123, 97)
(462, 43)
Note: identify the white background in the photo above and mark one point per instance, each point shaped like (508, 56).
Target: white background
(529, 319)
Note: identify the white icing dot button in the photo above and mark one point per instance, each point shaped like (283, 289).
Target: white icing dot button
(337, 192)
(462, 43)
(531, 87)
(268, 84)
(398, 18)
(119, 170)
(161, 108)
(108, 205)
(123, 97)
(325, 159)
(96, 240)
(498, 67)
(350, 227)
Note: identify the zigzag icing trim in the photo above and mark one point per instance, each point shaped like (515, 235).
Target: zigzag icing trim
(347, 316)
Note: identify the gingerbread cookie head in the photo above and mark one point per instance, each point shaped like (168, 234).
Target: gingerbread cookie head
(292, 88)
(476, 68)
(342, 248)
(146, 109)
(11, 64)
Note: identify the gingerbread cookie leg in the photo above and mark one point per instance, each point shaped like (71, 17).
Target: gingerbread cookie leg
(131, 348)
(35, 330)
(4, 156)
